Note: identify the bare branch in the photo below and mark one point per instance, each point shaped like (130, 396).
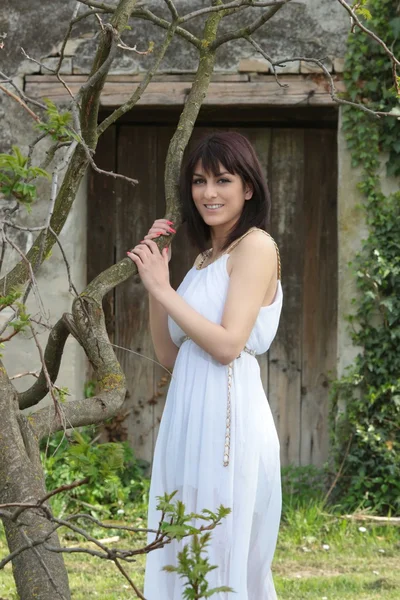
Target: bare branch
(92, 334)
(143, 85)
(19, 375)
(24, 97)
(51, 360)
(29, 545)
(21, 506)
(249, 29)
(125, 574)
(107, 8)
(104, 68)
(21, 102)
(172, 10)
(46, 375)
(332, 89)
(32, 277)
(108, 173)
(267, 57)
(43, 66)
(147, 15)
(71, 285)
(316, 61)
(231, 7)
(74, 21)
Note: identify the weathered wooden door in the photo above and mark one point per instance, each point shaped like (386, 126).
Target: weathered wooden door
(300, 164)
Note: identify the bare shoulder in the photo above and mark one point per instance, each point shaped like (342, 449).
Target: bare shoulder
(257, 244)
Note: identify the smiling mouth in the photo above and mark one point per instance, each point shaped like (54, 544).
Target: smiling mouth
(213, 206)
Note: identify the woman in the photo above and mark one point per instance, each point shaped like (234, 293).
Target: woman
(217, 442)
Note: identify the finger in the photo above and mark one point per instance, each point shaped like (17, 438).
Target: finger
(161, 230)
(134, 258)
(142, 250)
(155, 234)
(162, 221)
(165, 256)
(152, 246)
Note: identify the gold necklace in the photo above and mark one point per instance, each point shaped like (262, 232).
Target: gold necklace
(205, 255)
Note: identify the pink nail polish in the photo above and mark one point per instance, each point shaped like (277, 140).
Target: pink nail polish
(171, 229)
(170, 222)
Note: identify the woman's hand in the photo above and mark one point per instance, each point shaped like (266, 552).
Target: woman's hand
(160, 227)
(151, 263)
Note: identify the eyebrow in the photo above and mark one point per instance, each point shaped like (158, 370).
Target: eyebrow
(216, 175)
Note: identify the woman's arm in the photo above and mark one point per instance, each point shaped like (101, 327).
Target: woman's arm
(253, 268)
(165, 349)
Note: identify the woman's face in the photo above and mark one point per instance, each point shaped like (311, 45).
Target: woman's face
(219, 198)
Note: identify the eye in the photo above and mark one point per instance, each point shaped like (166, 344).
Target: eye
(223, 180)
(197, 181)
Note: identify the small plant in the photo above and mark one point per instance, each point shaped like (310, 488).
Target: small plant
(58, 124)
(192, 565)
(16, 176)
(116, 478)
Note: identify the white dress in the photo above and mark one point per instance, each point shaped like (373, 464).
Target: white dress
(189, 452)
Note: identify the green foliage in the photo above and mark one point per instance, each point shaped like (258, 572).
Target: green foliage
(302, 485)
(16, 176)
(117, 479)
(192, 565)
(369, 80)
(361, 8)
(366, 433)
(58, 125)
(10, 299)
(23, 319)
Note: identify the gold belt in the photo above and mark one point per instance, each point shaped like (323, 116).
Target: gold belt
(228, 403)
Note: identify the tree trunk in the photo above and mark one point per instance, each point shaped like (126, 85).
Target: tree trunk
(38, 573)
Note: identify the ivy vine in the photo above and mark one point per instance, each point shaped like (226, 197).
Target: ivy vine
(366, 401)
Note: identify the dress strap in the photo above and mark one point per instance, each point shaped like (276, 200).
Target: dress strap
(236, 242)
(199, 259)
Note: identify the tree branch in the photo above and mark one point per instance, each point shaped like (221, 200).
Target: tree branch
(73, 22)
(147, 15)
(91, 330)
(21, 102)
(52, 359)
(231, 8)
(249, 29)
(143, 85)
(172, 9)
(79, 161)
(21, 94)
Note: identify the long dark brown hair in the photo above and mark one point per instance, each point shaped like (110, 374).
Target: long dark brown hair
(235, 153)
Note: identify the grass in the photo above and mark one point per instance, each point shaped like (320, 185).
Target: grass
(319, 556)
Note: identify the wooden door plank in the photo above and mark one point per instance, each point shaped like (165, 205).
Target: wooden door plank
(100, 218)
(161, 377)
(319, 292)
(137, 158)
(286, 171)
(260, 138)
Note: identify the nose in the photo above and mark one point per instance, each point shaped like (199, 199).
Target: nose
(210, 192)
